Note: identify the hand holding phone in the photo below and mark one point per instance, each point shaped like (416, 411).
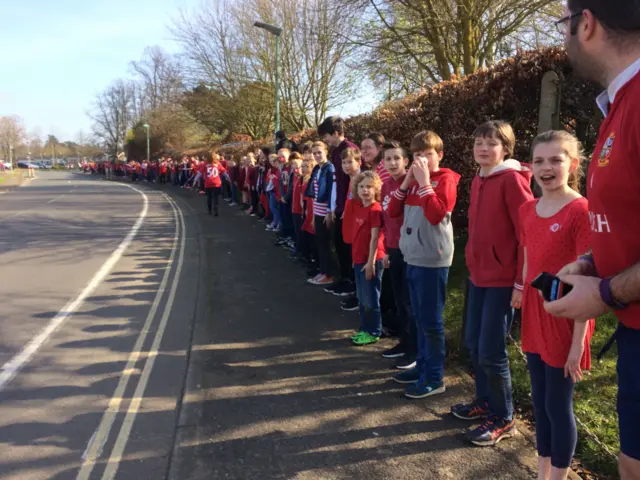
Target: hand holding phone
(551, 286)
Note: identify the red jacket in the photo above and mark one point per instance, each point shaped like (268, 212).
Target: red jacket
(392, 225)
(494, 254)
(212, 175)
(253, 177)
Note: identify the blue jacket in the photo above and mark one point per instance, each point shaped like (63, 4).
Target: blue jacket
(325, 174)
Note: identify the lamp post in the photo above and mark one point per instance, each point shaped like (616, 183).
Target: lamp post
(276, 31)
(146, 127)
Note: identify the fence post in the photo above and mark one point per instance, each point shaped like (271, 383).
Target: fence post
(549, 114)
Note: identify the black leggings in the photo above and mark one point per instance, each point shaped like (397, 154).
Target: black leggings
(327, 263)
(213, 192)
(552, 395)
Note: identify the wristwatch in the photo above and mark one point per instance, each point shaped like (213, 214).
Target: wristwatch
(607, 295)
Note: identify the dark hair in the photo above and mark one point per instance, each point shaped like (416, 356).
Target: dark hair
(376, 138)
(306, 147)
(266, 151)
(280, 135)
(331, 125)
(621, 18)
(392, 145)
(351, 153)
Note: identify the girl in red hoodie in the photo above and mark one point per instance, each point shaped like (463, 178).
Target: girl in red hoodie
(213, 183)
(495, 259)
(555, 231)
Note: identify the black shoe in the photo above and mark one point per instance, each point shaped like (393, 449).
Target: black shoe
(394, 352)
(406, 363)
(344, 289)
(471, 411)
(350, 304)
(332, 288)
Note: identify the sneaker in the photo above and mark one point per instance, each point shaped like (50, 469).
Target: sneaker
(233, 204)
(471, 411)
(406, 364)
(202, 192)
(424, 390)
(365, 339)
(325, 281)
(350, 304)
(357, 335)
(269, 228)
(395, 352)
(314, 280)
(332, 288)
(408, 376)
(344, 289)
(491, 432)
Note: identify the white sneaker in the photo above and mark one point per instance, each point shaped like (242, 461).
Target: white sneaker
(316, 279)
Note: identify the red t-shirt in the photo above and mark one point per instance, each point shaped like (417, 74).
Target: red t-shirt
(348, 225)
(364, 219)
(613, 191)
(307, 225)
(550, 244)
(392, 225)
(296, 196)
(212, 175)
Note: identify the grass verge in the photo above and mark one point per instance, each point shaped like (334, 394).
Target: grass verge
(595, 396)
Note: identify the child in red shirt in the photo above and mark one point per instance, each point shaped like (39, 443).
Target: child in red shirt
(308, 250)
(213, 183)
(555, 231)
(396, 162)
(367, 253)
(295, 165)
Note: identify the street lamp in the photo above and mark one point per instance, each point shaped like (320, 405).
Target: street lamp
(276, 31)
(146, 127)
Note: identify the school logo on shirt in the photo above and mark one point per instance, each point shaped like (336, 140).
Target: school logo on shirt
(434, 184)
(555, 227)
(385, 202)
(360, 221)
(603, 161)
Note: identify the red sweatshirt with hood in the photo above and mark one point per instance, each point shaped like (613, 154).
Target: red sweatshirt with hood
(494, 254)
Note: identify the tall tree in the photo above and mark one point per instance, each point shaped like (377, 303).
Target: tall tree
(12, 134)
(113, 113)
(159, 78)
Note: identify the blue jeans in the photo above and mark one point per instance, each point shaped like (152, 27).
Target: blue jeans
(628, 341)
(274, 206)
(368, 292)
(428, 293)
(552, 395)
(489, 318)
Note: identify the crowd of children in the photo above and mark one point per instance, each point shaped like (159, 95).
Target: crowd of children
(354, 216)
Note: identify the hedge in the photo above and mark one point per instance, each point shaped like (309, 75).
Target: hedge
(509, 91)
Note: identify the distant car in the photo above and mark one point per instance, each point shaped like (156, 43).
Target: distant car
(23, 164)
(5, 166)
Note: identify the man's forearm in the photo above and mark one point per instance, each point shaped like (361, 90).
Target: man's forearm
(626, 285)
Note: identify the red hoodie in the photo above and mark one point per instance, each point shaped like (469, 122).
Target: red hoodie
(494, 254)
(391, 225)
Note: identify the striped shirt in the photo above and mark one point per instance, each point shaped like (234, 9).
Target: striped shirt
(320, 209)
(382, 172)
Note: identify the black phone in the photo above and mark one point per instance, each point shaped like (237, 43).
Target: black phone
(552, 287)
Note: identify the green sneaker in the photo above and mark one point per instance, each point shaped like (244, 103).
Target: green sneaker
(357, 335)
(365, 339)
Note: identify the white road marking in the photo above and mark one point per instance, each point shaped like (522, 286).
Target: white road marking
(12, 367)
(125, 431)
(54, 199)
(94, 448)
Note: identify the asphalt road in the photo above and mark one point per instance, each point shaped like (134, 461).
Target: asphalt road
(97, 300)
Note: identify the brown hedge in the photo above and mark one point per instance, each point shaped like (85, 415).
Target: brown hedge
(509, 91)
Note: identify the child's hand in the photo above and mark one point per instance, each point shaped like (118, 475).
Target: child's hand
(329, 219)
(516, 298)
(386, 262)
(420, 170)
(572, 367)
(369, 270)
(408, 179)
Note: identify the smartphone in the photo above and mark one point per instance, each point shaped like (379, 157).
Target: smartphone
(551, 287)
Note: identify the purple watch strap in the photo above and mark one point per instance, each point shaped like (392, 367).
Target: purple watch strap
(607, 296)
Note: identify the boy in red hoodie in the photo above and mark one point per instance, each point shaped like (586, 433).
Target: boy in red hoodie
(426, 197)
(495, 259)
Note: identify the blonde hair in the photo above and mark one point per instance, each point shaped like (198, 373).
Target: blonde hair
(368, 175)
(351, 154)
(426, 140)
(251, 157)
(320, 144)
(499, 130)
(572, 148)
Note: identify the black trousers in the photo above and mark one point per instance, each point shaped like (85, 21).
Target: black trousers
(325, 238)
(254, 201)
(213, 194)
(343, 252)
(405, 323)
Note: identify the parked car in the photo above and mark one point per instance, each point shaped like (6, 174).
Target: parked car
(23, 164)
(5, 166)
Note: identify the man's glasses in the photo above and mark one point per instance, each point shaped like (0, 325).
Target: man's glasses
(561, 24)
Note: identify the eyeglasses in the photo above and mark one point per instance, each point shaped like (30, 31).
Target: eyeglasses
(561, 24)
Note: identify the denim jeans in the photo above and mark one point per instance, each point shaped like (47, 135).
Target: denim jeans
(287, 220)
(489, 317)
(428, 292)
(274, 206)
(400, 287)
(368, 292)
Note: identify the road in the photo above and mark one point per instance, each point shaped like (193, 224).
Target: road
(98, 290)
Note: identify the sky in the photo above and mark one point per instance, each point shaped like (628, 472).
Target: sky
(56, 55)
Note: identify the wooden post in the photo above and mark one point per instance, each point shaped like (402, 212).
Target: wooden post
(549, 115)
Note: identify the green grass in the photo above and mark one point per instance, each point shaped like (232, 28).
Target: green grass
(595, 396)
